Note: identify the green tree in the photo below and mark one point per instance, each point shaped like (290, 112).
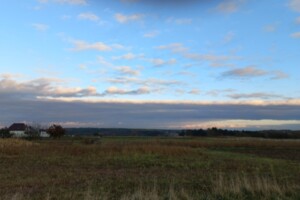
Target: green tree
(56, 131)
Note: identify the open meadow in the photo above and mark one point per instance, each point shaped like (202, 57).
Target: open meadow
(149, 168)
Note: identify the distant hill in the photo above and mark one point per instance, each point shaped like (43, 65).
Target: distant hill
(211, 132)
(120, 132)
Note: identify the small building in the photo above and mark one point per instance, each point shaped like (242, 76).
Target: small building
(44, 134)
(18, 130)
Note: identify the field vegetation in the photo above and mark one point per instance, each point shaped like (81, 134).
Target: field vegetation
(149, 168)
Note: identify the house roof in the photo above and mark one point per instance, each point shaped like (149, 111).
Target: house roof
(18, 127)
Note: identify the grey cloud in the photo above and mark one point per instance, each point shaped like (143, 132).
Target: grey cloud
(136, 115)
(252, 71)
(212, 59)
(230, 6)
(144, 82)
(118, 91)
(294, 5)
(246, 72)
(219, 92)
(51, 88)
(257, 95)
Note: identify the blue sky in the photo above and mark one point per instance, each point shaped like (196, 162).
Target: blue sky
(166, 54)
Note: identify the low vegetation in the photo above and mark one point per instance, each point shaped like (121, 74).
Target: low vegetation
(149, 168)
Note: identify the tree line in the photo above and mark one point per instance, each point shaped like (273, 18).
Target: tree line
(216, 132)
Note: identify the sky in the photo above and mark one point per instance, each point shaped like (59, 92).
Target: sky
(151, 64)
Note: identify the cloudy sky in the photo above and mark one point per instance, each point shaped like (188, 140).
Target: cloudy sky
(151, 64)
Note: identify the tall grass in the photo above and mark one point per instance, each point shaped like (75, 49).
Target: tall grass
(222, 187)
(147, 169)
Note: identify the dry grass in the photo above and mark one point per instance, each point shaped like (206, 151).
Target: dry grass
(147, 168)
(237, 184)
(15, 143)
(222, 186)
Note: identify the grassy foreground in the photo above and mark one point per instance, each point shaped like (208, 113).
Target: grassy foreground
(150, 168)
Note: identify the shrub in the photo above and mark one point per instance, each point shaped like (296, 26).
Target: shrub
(56, 131)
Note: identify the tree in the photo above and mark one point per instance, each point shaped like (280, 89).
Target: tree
(4, 133)
(33, 131)
(56, 131)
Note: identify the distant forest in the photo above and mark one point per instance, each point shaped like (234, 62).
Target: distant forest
(211, 132)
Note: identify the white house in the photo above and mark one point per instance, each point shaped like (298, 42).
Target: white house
(44, 134)
(18, 130)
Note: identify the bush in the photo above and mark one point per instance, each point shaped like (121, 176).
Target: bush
(56, 131)
(4, 133)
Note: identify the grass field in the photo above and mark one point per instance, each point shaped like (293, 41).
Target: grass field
(150, 168)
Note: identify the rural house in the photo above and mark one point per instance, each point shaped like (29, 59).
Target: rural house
(18, 129)
(44, 134)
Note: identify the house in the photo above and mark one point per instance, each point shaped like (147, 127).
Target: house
(44, 134)
(18, 130)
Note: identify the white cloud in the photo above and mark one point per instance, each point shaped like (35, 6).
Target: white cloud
(270, 28)
(157, 62)
(118, 46)
(127, 18)
(179, 21)
(126, 70)
(151, 34)
(129, 1)
(298, 20)
(228, 37)
(118, 91)
(276, 75)
(128, 56)
(295, 5)
(174, 47)
(72, 2)
(88, 16)
(195, 91)
(144, 82)
(80, 45)
(66, 17)
(230, 6)
(40, 27)
(75, 2)
(214, 60)
(295, 35)
(102, 61)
